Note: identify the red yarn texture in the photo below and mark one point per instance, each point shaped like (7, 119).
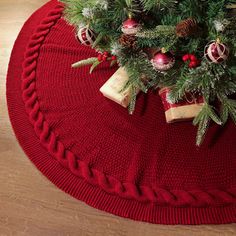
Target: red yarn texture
(135, 166)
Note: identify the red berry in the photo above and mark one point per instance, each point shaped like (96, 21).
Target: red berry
(193, 64)
(104, 57)
(113, 58)
(106, 53)
(186, 57)
(100, 57)
(193, 57)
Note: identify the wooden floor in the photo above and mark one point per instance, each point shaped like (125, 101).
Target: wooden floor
(29, 203)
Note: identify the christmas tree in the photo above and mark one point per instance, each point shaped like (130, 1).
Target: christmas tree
(186, 45)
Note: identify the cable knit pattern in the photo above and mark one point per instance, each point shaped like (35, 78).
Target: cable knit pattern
(136, 166)
(194, 198)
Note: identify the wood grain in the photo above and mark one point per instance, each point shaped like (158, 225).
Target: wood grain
(29, 203)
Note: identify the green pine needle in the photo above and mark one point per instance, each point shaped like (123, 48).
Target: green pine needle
(159, 31)
(203, 120)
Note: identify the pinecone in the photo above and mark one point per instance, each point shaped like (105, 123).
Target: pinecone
(129, 41)
(186, 28)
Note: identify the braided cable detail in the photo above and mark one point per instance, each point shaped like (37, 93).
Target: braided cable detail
(160, 196)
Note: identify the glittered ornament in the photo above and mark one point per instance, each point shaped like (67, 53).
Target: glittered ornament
(130, 26)
(216, 52)
(163, 61)
(86, 36)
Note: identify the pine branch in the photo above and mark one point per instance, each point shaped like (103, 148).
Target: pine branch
(99, 38)
(157, 4)
(203, 120)
(133, 98)
(193, 9)
(228, 108)
(160, 31)
(181, 86)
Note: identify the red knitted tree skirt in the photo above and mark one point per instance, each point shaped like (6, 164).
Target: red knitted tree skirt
(135, 166)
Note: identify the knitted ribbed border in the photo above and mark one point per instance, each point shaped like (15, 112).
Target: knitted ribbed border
(160, 196)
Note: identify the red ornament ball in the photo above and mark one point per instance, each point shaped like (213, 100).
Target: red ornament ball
(163, 61)
(130, 26)
(86, 36)
(216, 52)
